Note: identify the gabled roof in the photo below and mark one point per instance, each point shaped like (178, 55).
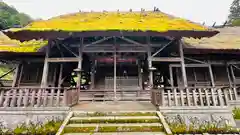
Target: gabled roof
(119, 23)
(227, 39)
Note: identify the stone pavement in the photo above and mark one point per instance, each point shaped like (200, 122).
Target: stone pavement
(115, 106)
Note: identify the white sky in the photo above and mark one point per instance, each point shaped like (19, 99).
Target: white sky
(208, 11)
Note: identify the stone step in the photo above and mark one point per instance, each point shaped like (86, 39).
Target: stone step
(115, 119)
(115, 125)
(114, 113)
(122, 133)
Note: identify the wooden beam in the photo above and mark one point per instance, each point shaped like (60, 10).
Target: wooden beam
(233, 75)
(66, 59)
(162, 48)
(183, 64)
(132, 41)
(96, 42)
(195, 60)
(166, 59)
(190, 65)
(115, 71)
(69, 50)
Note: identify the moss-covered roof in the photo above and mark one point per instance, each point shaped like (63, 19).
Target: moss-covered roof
(114, 21)
(8, 45)
(227, 39)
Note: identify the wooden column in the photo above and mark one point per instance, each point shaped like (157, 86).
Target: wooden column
(233, 76)
(20, 75)
(211, 75)
(183, 64)
(79, 63)
(115, 71)
(171, 75)
(93, 74)
(229, 77)
(46, 66)
(16, 75)
(150, 77)
(140, 74)
(60, 75)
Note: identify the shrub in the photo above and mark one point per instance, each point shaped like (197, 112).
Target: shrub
(196, 126)
(49, 128)
(236, 113)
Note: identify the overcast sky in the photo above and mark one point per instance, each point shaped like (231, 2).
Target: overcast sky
(208, 11)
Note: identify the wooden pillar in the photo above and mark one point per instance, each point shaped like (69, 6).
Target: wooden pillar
(183, 64)
(140, 74)
(233, 76)
(20, 75)
(115, 71)
(150, 77)
(171, 75)
(60, 75)
(79, 64)
(46, 66)
(211, 75)
(229, 77)
(16, 75)
(93, 74)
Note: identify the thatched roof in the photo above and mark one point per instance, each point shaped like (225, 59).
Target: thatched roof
(227, 39)
(8, 45)
(112, 23)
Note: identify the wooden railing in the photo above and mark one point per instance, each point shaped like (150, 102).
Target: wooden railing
(193, 96)
(37, 97)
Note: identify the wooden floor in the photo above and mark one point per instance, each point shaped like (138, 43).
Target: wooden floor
(115, 106)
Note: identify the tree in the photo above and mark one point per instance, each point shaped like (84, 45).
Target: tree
(234, 16)
(10, 17)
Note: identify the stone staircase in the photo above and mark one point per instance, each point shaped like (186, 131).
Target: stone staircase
(112, 123)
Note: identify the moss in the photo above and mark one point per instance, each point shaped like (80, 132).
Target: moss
(129, 21)
(113, 129)
(115, 121)
(95, 114)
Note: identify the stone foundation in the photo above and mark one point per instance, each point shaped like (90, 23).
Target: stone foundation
(11, 117)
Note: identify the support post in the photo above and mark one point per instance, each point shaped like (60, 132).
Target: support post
(150, 63)
(171, 75)
(93, 74)
(229, 77)
(79, 64)
(20, 75)
(46, 66)
(233, 76)
(115, 71)
(16, 75)
(139, 74)
(211, 75)
(60, 75)
(183, 64)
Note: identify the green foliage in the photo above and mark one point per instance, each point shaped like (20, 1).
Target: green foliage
(178, 126)
(95, 114)
(234, 15)
(115, 121)
(49, 128)
(113, 129)
(10, 17)
(236, 113)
